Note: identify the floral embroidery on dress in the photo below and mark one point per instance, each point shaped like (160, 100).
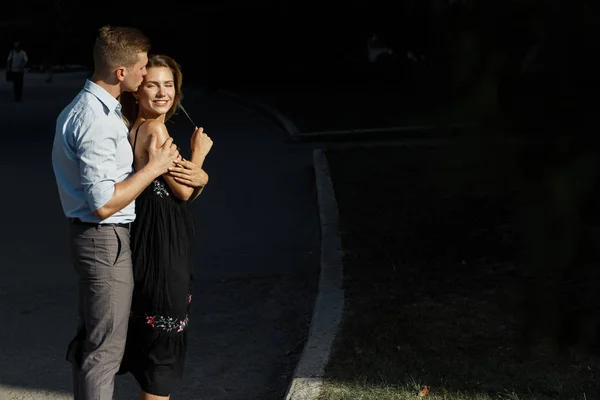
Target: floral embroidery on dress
(167, 323)
(159, 188)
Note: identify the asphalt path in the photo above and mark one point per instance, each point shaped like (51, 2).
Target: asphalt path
(256, 261)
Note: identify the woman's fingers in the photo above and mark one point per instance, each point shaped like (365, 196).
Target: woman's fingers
(179, 170)
(182, 180)
(183, 175)
(185, 164)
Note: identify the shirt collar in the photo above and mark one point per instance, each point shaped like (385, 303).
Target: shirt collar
(106, 98)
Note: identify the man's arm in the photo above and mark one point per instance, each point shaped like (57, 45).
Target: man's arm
(160, 159)
(127, 191)
(97, 149)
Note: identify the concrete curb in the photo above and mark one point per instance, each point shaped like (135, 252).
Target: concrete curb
(402, 131)
(307, 380)
(265, 111)
(284, 123)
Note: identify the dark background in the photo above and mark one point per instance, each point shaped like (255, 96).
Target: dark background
(272, 45)
(541, 55)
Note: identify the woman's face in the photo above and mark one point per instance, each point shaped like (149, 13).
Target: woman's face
(157, 92)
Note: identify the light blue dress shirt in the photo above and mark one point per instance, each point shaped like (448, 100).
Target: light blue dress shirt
(90, 154)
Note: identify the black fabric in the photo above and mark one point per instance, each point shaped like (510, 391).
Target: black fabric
(162, 238)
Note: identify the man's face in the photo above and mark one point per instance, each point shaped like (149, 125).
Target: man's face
(135, 75)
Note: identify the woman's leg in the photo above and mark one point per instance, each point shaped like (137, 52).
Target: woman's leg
(148, 396)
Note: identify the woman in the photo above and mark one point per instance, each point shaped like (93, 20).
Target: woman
(162, 237)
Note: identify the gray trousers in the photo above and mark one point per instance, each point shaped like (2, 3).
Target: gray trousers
(102, 259)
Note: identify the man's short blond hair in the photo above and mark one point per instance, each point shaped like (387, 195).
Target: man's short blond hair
(118, 46)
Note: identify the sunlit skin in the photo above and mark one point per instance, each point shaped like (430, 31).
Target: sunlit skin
(156, 94)
(122, 79)
(155, 97)
(134, 75)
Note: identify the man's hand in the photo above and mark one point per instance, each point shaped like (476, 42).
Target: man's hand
(189, 174)
(160, 159)
(201, 143)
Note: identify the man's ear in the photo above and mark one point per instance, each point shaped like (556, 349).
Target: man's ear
(120, 73)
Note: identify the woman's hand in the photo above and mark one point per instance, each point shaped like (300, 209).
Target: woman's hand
(189, 174)
(201, 143)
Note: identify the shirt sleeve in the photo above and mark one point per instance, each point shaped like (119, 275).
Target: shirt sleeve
(96, 150)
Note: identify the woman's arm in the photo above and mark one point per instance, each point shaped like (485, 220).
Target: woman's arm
(181, 191)
(198, 159)
(190, 174)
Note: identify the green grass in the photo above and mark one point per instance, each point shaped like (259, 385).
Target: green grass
(431, 281)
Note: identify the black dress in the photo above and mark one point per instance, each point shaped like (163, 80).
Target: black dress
(162, 238)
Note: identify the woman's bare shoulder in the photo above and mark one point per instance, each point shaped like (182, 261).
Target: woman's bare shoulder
(156, 126)
(146, 127)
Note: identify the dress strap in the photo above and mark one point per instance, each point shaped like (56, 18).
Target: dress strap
(136, 135)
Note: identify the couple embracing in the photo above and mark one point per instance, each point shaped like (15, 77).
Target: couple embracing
(126, 192)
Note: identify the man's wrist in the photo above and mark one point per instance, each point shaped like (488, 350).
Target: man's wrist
(151, 170)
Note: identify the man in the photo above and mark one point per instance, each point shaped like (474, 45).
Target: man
(15, 63)
(92, 161)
